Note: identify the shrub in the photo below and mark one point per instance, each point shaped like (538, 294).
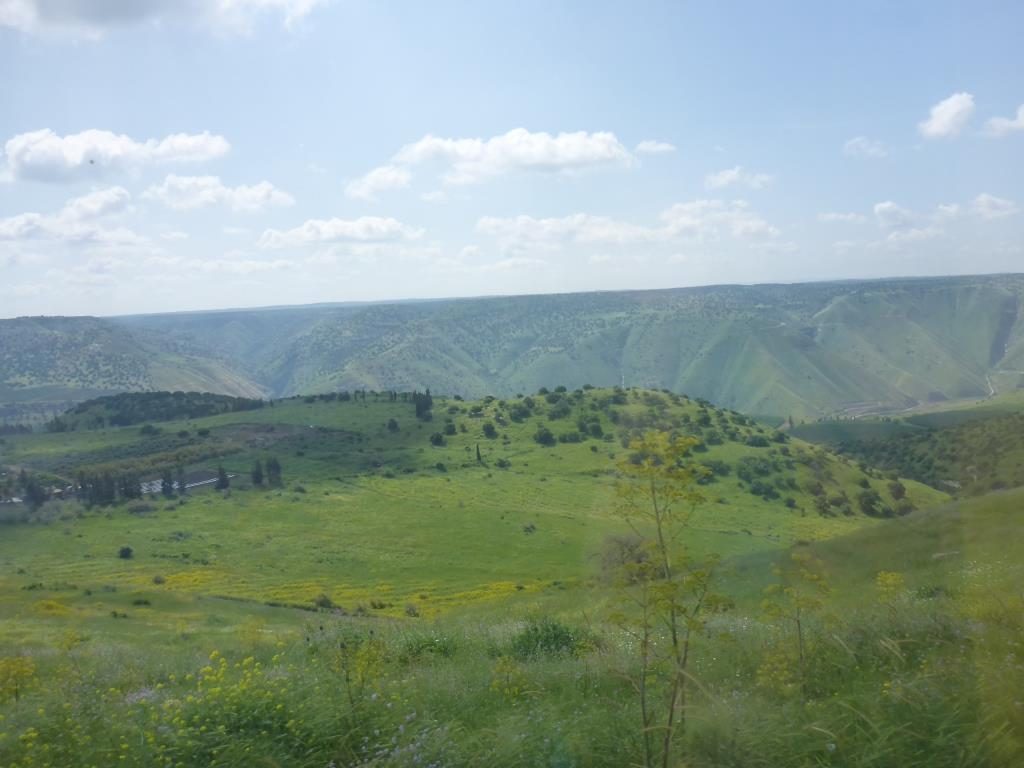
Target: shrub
(437, 439)
(544, 436)
(126, 553)
(546, 637)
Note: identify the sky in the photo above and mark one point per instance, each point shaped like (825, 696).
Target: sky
(167, 155)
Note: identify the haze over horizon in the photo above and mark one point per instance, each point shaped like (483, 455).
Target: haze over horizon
(288, 152)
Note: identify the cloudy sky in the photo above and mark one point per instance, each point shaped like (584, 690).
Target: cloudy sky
(185, 154)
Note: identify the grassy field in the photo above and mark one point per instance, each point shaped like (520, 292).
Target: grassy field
(379, 610)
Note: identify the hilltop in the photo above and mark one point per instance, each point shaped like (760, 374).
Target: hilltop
(780, 351)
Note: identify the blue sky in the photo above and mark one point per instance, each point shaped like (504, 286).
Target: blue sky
(163, 155)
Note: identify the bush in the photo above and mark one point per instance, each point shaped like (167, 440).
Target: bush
(126, 553)
(544, 436)
(546, 637)
(437, 439)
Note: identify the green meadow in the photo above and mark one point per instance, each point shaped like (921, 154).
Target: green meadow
(450, 592)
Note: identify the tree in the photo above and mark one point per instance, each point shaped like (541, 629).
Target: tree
(392, 425)
(437, 439)
(223, 482)
(544, 436)
(126, 553)
(490, 431)
(182, 484)
(479, 458)
(666, 593)
(274, 471)
(35, 494)
(257, 473)
(423, 404)
(167, 483)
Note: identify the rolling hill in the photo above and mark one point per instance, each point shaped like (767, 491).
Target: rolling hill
(804, 350)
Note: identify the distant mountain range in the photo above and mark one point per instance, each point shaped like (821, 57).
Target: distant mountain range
(803, 350)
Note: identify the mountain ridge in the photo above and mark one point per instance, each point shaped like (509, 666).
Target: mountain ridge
(804, 350)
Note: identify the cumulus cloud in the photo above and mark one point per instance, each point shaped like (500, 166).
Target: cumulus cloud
(189, 192)
(472, 160)
(705, 220)
(989, 206)
(736, 175)
(378, 180)
(711, 219)
(653, 147)
(79, 221)
(848, 218)
(892, 216)
(948, 117)
(92, 18)
(913, 235)
(363, 229)
(44, 156)
(1001, 126)
(861, 146)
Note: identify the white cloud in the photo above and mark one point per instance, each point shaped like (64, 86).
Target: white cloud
(848, 218)
(948, 117)
(44, 156)
(470, 161)
(991, 207)
(378, 180)
(947, 210)
(99, 202)
(578, 228)
(654, 147)
(237, 266)
(189, 192)
(1001, 126)
(363, 229)
(79, 221)
(174, 235)
(711, 219)
(91, 18)
(697, 220)
(913, 235)
(861, 146)
(892, 216)
(736, 175)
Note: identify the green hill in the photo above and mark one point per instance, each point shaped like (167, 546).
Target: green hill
(967, 449)
(49, 363)
(802, 351)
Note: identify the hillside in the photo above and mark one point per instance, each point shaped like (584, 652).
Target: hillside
(49, 363)
(803, 350)
(967, 449)
(395, 583)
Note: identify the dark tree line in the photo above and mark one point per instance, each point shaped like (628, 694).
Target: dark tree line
(271, 474)
(424, 404)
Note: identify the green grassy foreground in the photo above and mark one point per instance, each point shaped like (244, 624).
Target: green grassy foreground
(378, 610)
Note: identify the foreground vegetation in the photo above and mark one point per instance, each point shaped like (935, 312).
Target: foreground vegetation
(415, 593)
